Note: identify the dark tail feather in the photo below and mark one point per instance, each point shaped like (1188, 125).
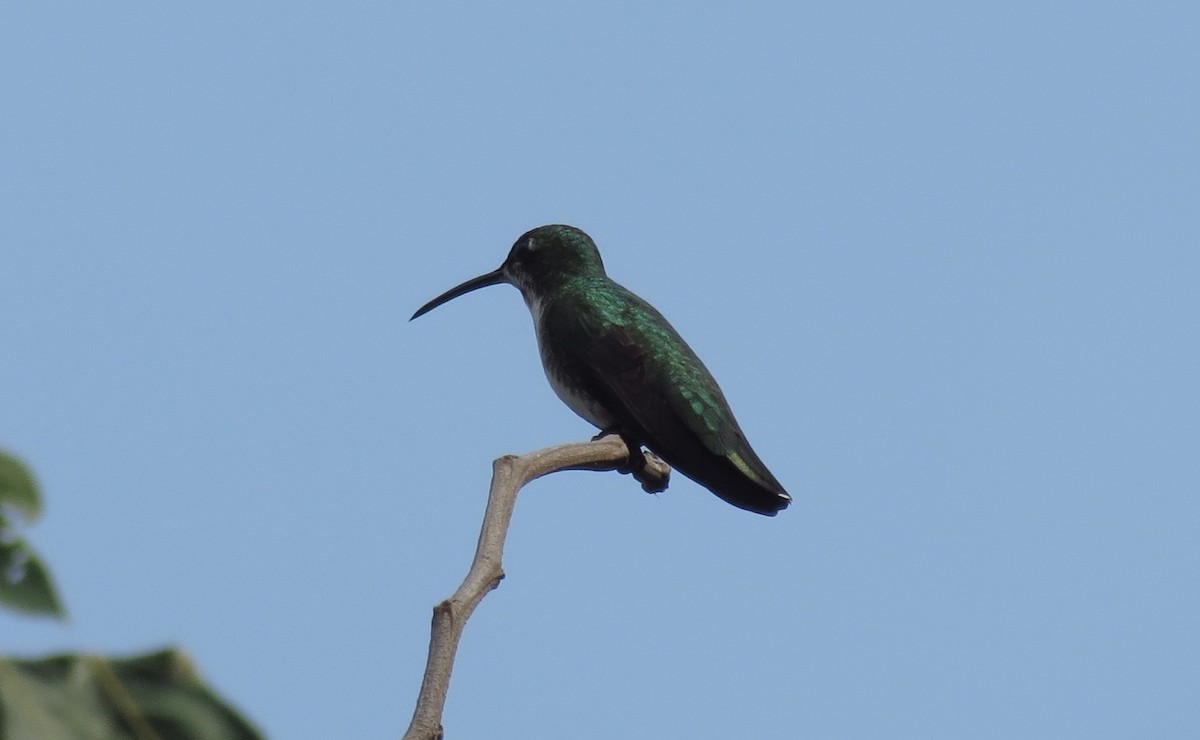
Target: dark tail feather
(719, 475)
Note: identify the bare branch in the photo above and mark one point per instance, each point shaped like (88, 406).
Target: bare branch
(509, 474)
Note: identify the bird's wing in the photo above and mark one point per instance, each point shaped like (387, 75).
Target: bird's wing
(652, 382)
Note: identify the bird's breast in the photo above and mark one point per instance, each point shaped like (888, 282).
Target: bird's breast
(562, 373)
(568, 388)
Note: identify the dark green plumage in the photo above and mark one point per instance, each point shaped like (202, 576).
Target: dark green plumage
(615, 360)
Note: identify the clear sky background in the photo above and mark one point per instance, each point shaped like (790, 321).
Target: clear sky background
(943, 259)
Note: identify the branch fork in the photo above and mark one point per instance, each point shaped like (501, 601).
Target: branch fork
(509, 474)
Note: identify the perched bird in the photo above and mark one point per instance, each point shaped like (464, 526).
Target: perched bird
(615, 361)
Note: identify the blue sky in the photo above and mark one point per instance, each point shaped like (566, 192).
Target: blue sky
(944, 261)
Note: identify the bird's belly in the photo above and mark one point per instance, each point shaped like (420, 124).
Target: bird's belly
(573, 396)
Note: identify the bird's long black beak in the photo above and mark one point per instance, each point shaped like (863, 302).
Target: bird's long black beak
(495, 277)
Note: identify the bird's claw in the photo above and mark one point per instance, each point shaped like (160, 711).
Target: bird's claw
(637, 465)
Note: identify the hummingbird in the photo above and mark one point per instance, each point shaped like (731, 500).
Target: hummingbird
(615, 361)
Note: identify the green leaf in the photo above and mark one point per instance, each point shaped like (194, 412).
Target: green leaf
(157, 695)
(25, 581)
(18, 489)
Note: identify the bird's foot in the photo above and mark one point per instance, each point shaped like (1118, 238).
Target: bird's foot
(653, 477)
(604, 433)
(636, 463)
(646, 467)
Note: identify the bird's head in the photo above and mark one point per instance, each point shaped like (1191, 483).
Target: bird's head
(541, 259)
